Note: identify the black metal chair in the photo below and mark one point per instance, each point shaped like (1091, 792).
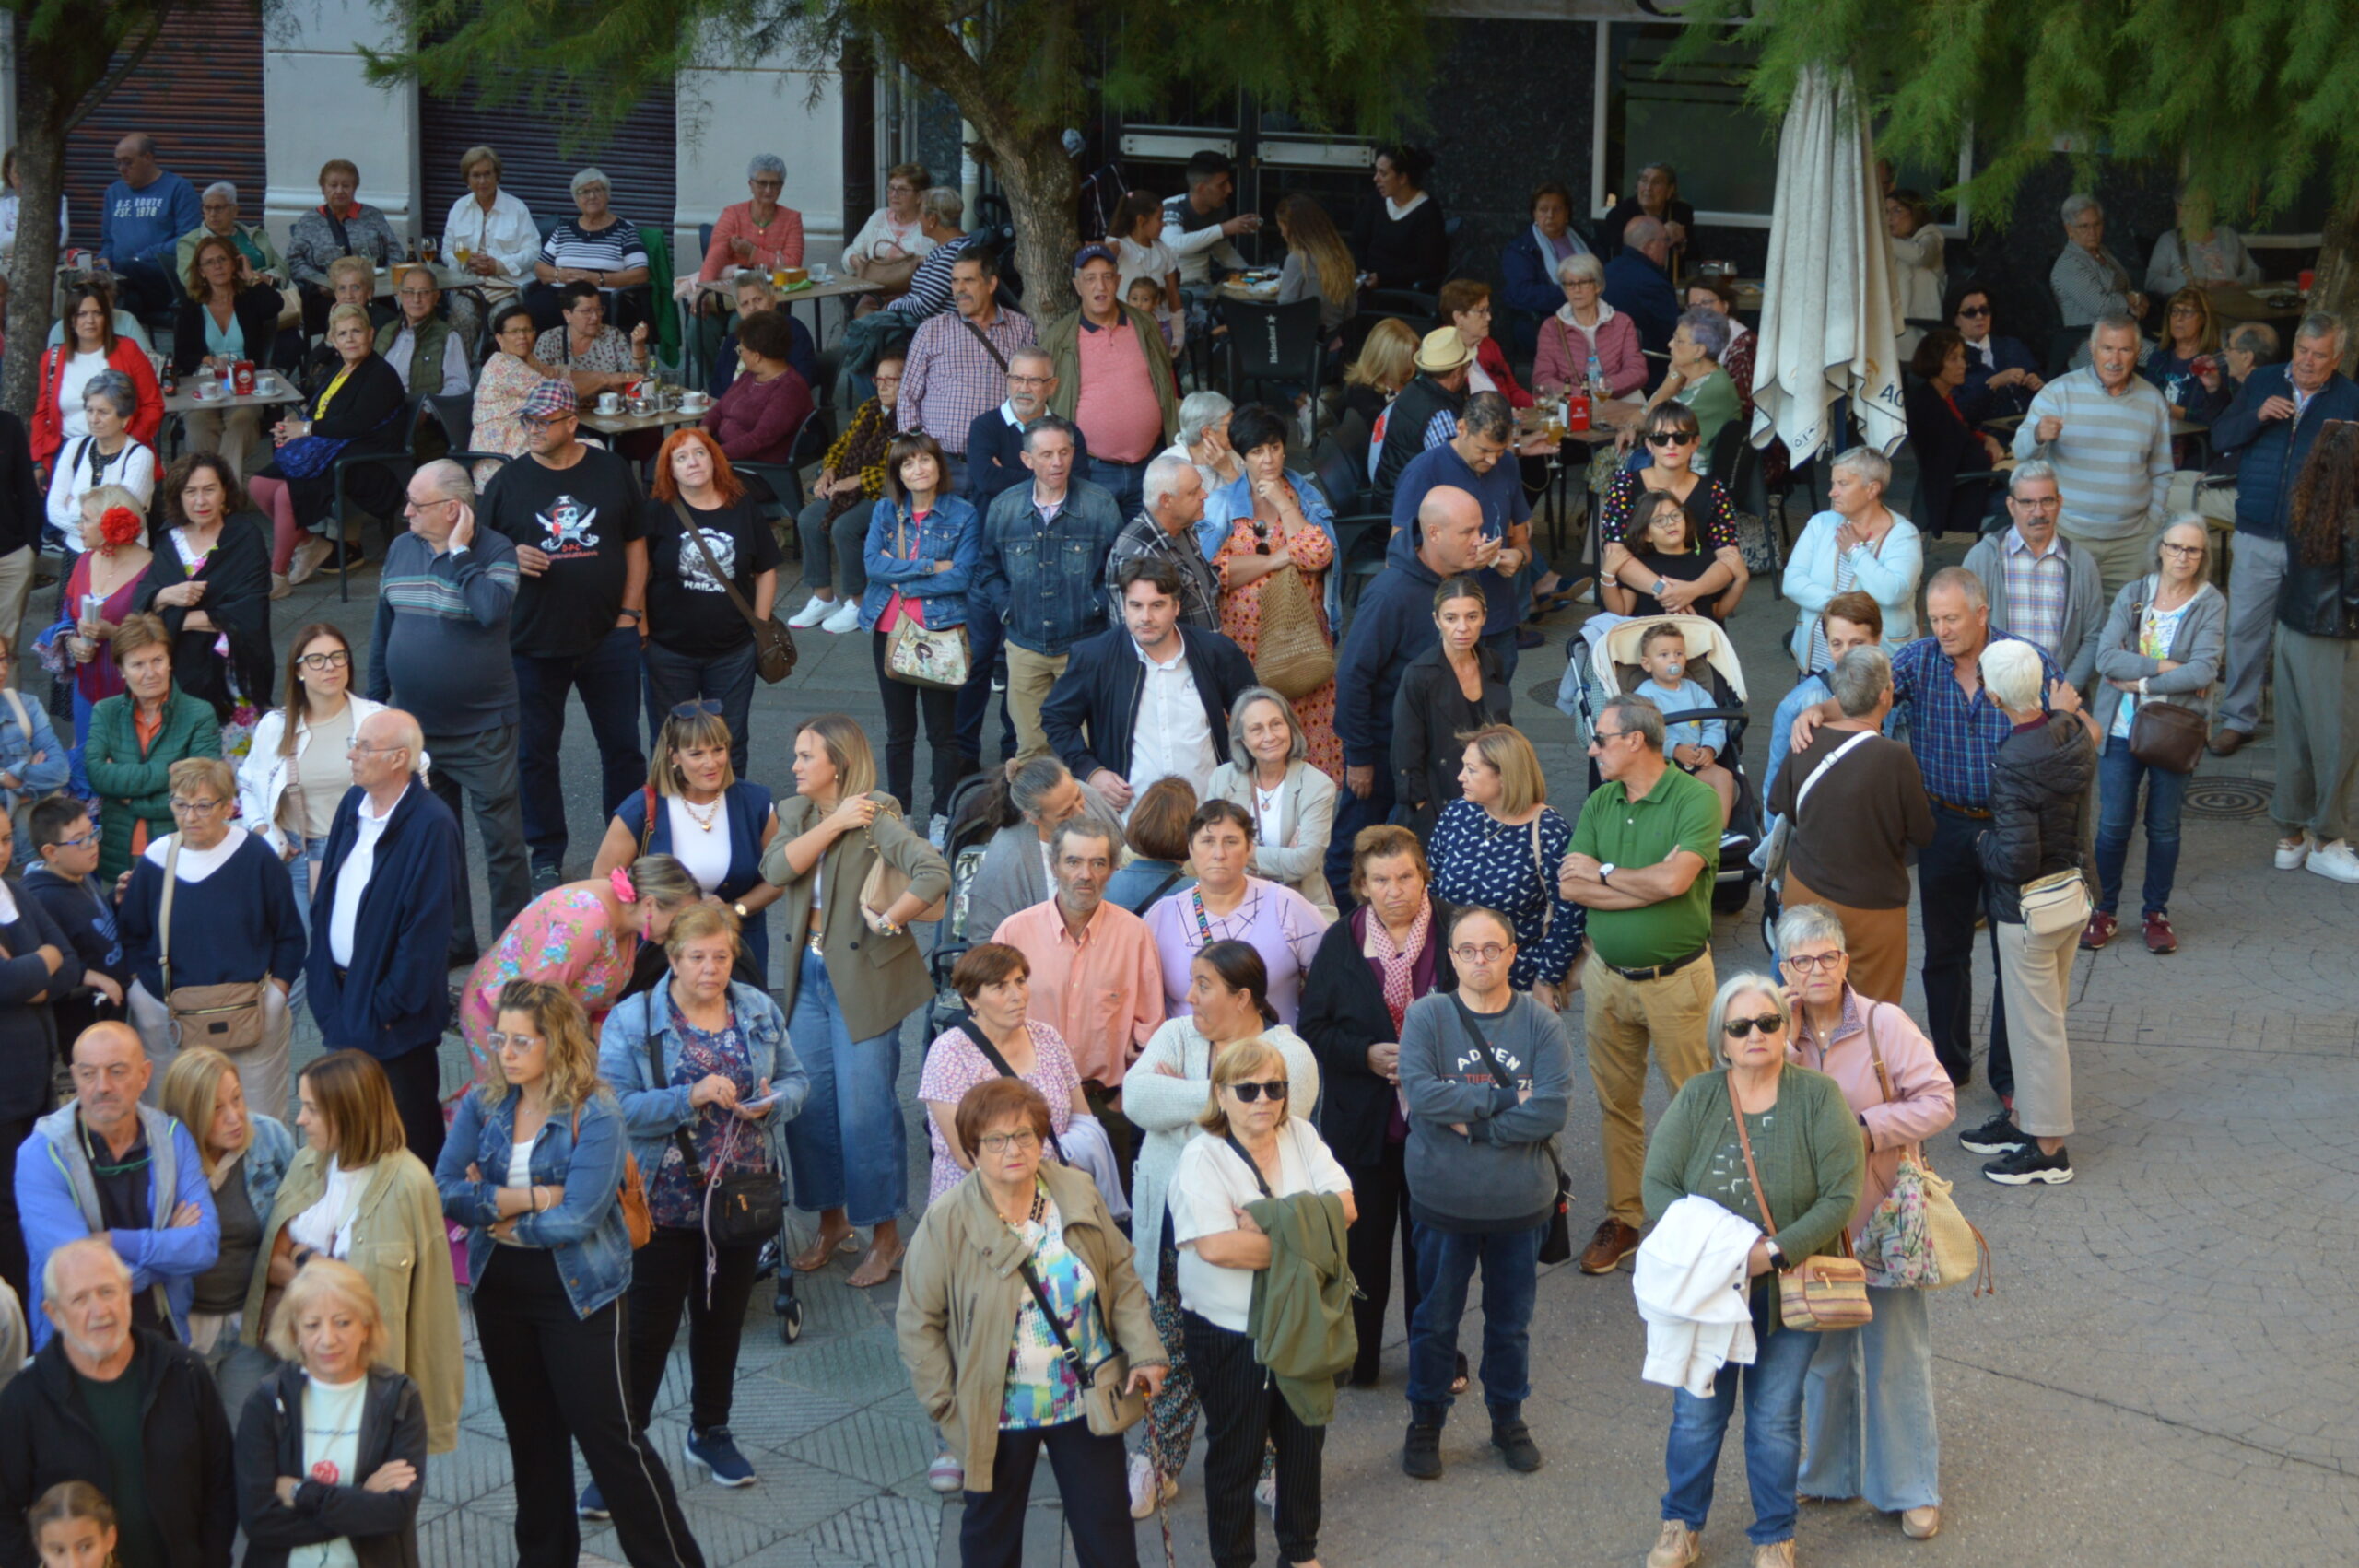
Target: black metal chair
(455, 412)
(341, 511)
(1279, 344)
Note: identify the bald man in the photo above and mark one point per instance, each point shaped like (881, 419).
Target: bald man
(109, 1166)
(380, 922)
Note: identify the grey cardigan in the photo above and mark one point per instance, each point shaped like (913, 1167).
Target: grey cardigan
(2203, 633)
(878, 980)
(1013, 875)
(2076, 649)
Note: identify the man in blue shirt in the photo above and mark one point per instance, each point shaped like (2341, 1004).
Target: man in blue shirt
(1638, 284)
(141, 220)
(1470, 461)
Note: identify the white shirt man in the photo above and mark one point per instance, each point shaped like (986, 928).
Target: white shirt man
(1172, 737)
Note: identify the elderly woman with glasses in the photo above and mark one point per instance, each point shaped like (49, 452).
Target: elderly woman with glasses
(1292, 802)
(340, 226)
(761, 233)
(1858, 542)
(2088, 279)
(597, 246)
(584, 349)
(1697, 381)
(1202, 439)
(1586, 331)
(1672, 436)
(233, 922)
(106, 455)
(510, 371)
(1868, 1403)
(252, 241)
(1794, 1126)
(134, 738)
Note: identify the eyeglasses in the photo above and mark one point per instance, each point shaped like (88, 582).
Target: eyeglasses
(2183, 551)
(1487, 952)
(195, 808)
(84, 841)
(1249, 1092)
(1672, 439)
(1016, 381)
(1006, 1142)
(1803, 963)
(354, 747)
(1974, 310)
(336, 661)
(690, 710)
(504, 1043)
(1738, 1028)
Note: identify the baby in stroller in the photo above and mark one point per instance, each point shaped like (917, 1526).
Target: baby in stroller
(1696, 744)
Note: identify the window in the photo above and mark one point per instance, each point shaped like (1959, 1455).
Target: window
(1690, 116)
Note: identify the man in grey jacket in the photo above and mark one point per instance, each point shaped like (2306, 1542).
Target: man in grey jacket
(1015, 873)
(1486, 1076)
(2043, 586)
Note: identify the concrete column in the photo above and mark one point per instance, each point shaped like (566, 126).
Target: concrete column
(316, 106)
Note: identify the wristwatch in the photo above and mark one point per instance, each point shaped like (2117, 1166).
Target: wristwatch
(742, 913)
(1777, 1255)
(1605, 873)
(636, 614)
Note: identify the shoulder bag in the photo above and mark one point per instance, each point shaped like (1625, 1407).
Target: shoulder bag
(2056, 902)
(1293, 657)
(228, 1016)
(1820, 1294)
(1917, 1238)
(939, 657)
(1111, 1406)
(774, 650)
(885, 883)
(1782, 837)
(630, 1194)
(742, 1209)
(1556, 1247)
(2162, 735)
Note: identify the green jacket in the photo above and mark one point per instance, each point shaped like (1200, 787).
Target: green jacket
(1808, 1147)
(1301, 1316)
(133, 785)
(425, 360)
(1061, 338)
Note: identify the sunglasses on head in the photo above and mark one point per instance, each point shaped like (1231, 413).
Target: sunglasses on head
(690, 709)
(1738, 1028)
(1670, 439)
(1249, 1092)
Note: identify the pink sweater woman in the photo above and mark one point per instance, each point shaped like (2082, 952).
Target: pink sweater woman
(1567, 342)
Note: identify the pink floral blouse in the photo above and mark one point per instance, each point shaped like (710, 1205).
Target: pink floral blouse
(954, 1064)
(563, 938)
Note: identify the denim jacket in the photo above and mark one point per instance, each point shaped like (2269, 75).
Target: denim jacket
(18, 746)
(269, 1154)
(1232, 504)
(653, 1111)
(952, 531)
(1043, 582)
(585, 1232)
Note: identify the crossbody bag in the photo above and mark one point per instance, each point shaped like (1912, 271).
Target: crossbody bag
(226, 1016)
(2162, 733)
(774, 650)
(1782, 837)
(742, 1208)
(915, 655)
(1820, 1294)
(1556, 1247)
(1111, 1405)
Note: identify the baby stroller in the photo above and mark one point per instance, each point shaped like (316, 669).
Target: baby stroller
(1604, 663)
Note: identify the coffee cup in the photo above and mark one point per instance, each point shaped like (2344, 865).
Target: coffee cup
(610, 402)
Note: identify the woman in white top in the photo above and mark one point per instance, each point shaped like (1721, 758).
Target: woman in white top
(1257, 1146)
(1292, 803)
(1916, 275)
(891, 243)
(1858, 542)
(103, 454)
(490, 234)
(298, 769)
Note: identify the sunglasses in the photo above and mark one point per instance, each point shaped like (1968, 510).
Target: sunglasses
(1672, 439)
(1974, 310)
(1738, 1028)
(1249, 1092)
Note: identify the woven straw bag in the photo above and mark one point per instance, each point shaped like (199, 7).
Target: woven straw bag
(1294, 657)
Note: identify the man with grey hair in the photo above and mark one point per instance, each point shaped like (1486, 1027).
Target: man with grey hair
(219, 206)
(996, 440)
(440, 649)
(1470, 461)
(2042, 586)
(1642, 861)
(867, 338)
(2108, 432)
(2088, 280)
(958, 359)
(1165, 529)
(1638, 284)
(141, 219)
(2268, 430)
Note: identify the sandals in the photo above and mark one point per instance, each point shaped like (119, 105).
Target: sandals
(821, 1252)
(860, 1280)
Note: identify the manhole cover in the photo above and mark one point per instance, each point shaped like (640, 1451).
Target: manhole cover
(2227, 797)
(1544, 693)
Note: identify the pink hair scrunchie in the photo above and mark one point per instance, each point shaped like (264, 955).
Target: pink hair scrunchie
(619, 880)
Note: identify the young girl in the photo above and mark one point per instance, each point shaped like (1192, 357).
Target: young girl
(1143, 293)
(73, 1526)
(1136, 232)
(1667, 544)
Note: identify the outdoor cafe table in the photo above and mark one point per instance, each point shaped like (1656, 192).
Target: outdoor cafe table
(281, 391)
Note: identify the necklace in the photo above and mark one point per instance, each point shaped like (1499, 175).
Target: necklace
(704, 822)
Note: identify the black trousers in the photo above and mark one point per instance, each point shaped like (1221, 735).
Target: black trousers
(903, 703)
(1120, 1133)
(1244, 1412)
(1382, 1192)
(668, 1275)
(1949, 897)
(13, 1267)
(562, 1380)
(417, 1078)
(1089, 1478)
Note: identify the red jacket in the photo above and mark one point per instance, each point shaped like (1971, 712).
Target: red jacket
(49, 420)
(1493, 361)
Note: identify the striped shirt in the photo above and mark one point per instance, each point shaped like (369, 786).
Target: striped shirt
(616, 248)
(1954, 736)
(439, 646)
(950, 379)
(2036, 587)
(2112, 457)
(929, 292)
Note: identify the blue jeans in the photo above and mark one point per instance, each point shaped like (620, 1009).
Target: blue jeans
(1773, 1432)
(1445, 1262)
(312, 851)
(608, 676)
(849, 1149)
(2118, 777)
(1123, 481)
(1868, 1405)
(674, 678)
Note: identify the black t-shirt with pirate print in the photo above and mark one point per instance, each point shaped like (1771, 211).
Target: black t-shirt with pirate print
(687, 613)
(582, 517)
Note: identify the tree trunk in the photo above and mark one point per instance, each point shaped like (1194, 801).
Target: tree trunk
(32, 283)
(2336, 286)
(1041, 190)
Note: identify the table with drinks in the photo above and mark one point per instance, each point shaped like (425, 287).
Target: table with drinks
(238, 385)
(1573, 423)
(648, 405)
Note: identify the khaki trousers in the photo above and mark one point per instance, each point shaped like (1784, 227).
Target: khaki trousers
(2035, 978)
(1029, 676)
(1622, 1019)
(2117, 560)
(1877, 941)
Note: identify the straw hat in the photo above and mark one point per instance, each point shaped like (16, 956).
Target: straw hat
(1442, 352)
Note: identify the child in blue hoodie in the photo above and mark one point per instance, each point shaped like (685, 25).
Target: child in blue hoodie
(1695, 745)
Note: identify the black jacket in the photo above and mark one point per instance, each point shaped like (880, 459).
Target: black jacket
(21, 506)
(256, 313)
(392, 999)
(382, 1526)
(46, 1438)
(1946, 447)
(1342, 1014)
(28, 1029)
(1100, 691)
(1429, 712)
(2322, 599)
(237, 600)
(1404, 432)
(2039, 784)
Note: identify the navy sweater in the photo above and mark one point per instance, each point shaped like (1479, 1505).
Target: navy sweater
(238, 924)
(27, 1035)
(1393, 623)
(85, 916)
(392, 999)
(2271, 454)
(995, 457)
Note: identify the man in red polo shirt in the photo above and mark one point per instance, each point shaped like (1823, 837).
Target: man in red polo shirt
(1114, 379)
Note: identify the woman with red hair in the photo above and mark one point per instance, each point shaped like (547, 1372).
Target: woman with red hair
(702, 531)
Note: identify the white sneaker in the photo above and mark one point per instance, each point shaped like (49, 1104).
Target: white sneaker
(2290, 856)
(1143, 1488)
(815, 610)
(309, 555)
(279, 587)
(2338, 861)
(845, 619)
(937, 832)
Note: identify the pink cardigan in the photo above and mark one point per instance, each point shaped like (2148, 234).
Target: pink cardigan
(1565, 348)
(779, 246)
(1926, 1103)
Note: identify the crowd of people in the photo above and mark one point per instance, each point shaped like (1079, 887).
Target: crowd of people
(1263, 939)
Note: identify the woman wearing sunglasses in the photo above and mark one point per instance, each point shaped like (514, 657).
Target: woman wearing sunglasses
(1672, 436)
(1804, 1140)
(1254, 1147)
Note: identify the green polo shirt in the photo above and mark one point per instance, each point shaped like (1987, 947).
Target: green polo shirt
(1679, 812)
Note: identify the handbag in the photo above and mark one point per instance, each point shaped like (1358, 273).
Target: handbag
(1916, 1237)
(630, 1195)
(1556, 1247)
(2056, 902)
(774, 650)
(1111, 1406)
(2162, 735)
(1782, 836)
(884, 886)
(742, 1208)
(1819, 1294)
(925, 656)
(1293, 657)
(228, 1016)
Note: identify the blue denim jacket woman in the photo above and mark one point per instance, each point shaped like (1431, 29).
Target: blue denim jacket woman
(653, 1109)
(1234, 501)
(268, 1154)
(20, 743)
(585, 1232)
(952, 531)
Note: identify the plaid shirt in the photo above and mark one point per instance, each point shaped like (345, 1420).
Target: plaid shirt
(950, 378)
(2035, 588)
(1954, 735)
(1198, 589)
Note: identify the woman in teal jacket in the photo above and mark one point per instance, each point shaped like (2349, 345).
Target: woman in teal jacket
(130, 778)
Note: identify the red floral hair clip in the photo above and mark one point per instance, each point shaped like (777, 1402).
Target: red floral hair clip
(120, 525)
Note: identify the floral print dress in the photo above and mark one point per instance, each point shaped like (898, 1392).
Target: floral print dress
(1240, 618)
(726, 1144)
(564, 939)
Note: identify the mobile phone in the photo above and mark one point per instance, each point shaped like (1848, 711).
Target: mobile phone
(764, 1102)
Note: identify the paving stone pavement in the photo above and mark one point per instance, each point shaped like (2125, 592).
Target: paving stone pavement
(2167, 1374)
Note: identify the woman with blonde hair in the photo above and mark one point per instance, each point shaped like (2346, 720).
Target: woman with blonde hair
(246, 1155)
(1318, 265)
(581, 935)
(1498, 845)
(2187, 367)
(332, 1448)
(535, 1168)
(357, 1194)
(1387, 362)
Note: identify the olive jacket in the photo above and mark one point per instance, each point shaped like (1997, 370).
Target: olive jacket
(877, 980)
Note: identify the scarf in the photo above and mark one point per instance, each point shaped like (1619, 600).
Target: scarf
(1395, 966)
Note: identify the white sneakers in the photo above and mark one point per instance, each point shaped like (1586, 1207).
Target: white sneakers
(1146, 1496)
(815, 610)
(2338, 861)
(845, 619)
(309, 555)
